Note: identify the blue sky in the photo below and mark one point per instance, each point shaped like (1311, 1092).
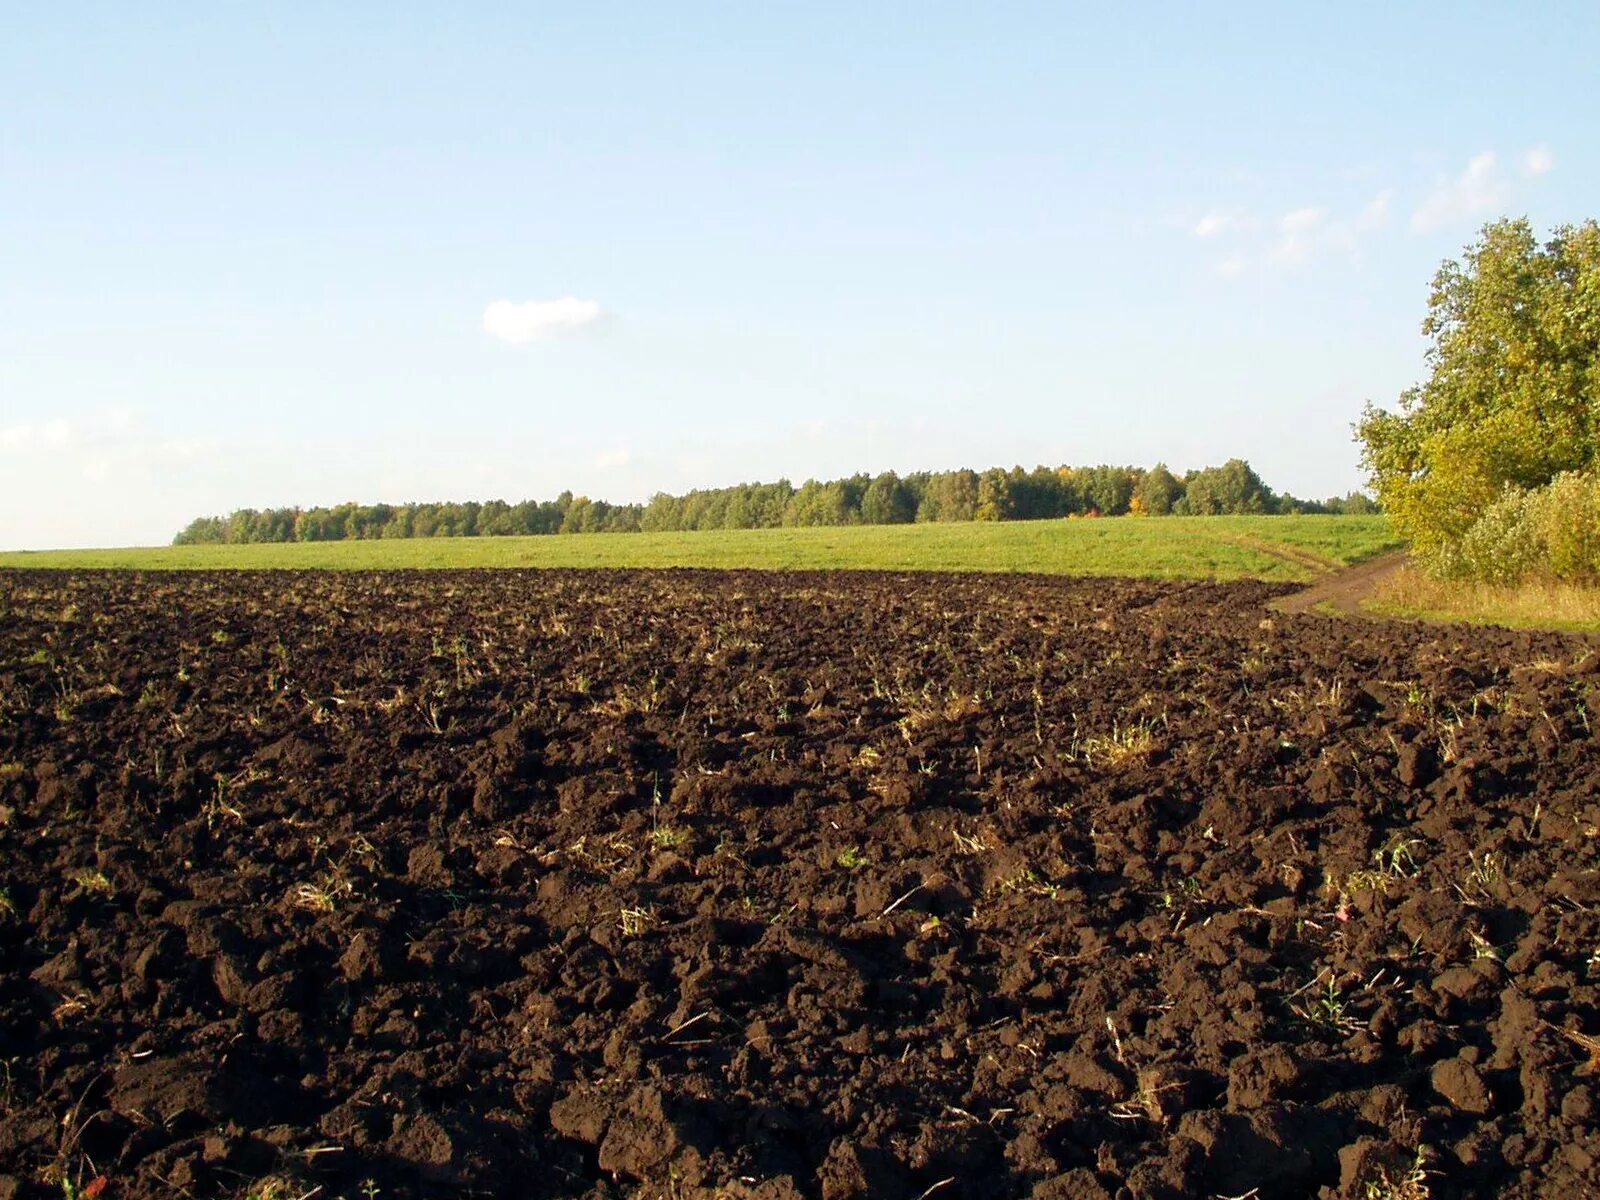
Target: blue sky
(271, 255)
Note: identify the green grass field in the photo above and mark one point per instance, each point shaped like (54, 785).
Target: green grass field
(1291, 549)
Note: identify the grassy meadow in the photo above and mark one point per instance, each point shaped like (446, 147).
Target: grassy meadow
(1288, 549)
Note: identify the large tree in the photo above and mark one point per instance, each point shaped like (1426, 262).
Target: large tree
(950, 496)
(1157, 491)
(1512, 396)
(887, 501)
(1234, 487)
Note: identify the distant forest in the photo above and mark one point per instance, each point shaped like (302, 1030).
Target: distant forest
(887, 499)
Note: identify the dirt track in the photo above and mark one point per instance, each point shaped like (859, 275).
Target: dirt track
(1343, 590)
(747, 885)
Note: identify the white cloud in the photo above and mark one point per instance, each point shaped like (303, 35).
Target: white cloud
(1301, 220)
(1224, 222)
(610, 460)
(59, 434)
(25, 439)
(1483, 188)
(1214, 223)
(538, 320)
(1375, 215)
(1302, 233)
(1476, 192)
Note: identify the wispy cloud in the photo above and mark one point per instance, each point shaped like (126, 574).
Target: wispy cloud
(1302, 220)
(1214, 224)
(23, 439)
(58, 433)
(1537, 160)
(1300, 233)
(1375, 215)
(1314, 232)
(1477, 191)
(1295, 237)
(1483, 188)
(98, 478)
(539, 320)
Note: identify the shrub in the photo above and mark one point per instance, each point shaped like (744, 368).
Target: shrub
(1571, 519)
(1504, 545)
(1551, 532)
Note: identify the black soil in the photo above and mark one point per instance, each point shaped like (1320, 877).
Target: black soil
(786, 885)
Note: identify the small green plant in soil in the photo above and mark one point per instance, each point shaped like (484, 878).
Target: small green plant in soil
(668, 837)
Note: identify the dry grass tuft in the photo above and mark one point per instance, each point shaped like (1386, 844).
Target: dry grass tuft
(1125, 743)
(1412, 593)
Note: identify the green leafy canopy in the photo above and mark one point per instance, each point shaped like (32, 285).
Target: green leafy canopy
(1512, 398)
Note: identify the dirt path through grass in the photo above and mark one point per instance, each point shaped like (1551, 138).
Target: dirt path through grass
(1344, 590)
(1299, 556)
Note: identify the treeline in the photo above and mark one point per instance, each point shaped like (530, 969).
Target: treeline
(887, 499)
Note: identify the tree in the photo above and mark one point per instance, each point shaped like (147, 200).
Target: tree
(886, 501)
(1158, 491)
(663, 514)
(400, 525)
(961, 495)
(494, 519)
(835, 502)
(1513, 391)
(813, 504)
(200, 531)
(950, 496)
(1036, 495)
(768, 502)
(1231, 488)
(704, 509)
(580, 516)
(1110, 489)
(736, 511)
(994, 495)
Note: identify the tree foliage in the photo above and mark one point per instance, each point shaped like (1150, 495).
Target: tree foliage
(998, 494)
(887, 501)
(1512, 395)
(1231, 488)
(1158, 491)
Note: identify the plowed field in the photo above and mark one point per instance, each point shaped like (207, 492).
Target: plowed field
(701, 885)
